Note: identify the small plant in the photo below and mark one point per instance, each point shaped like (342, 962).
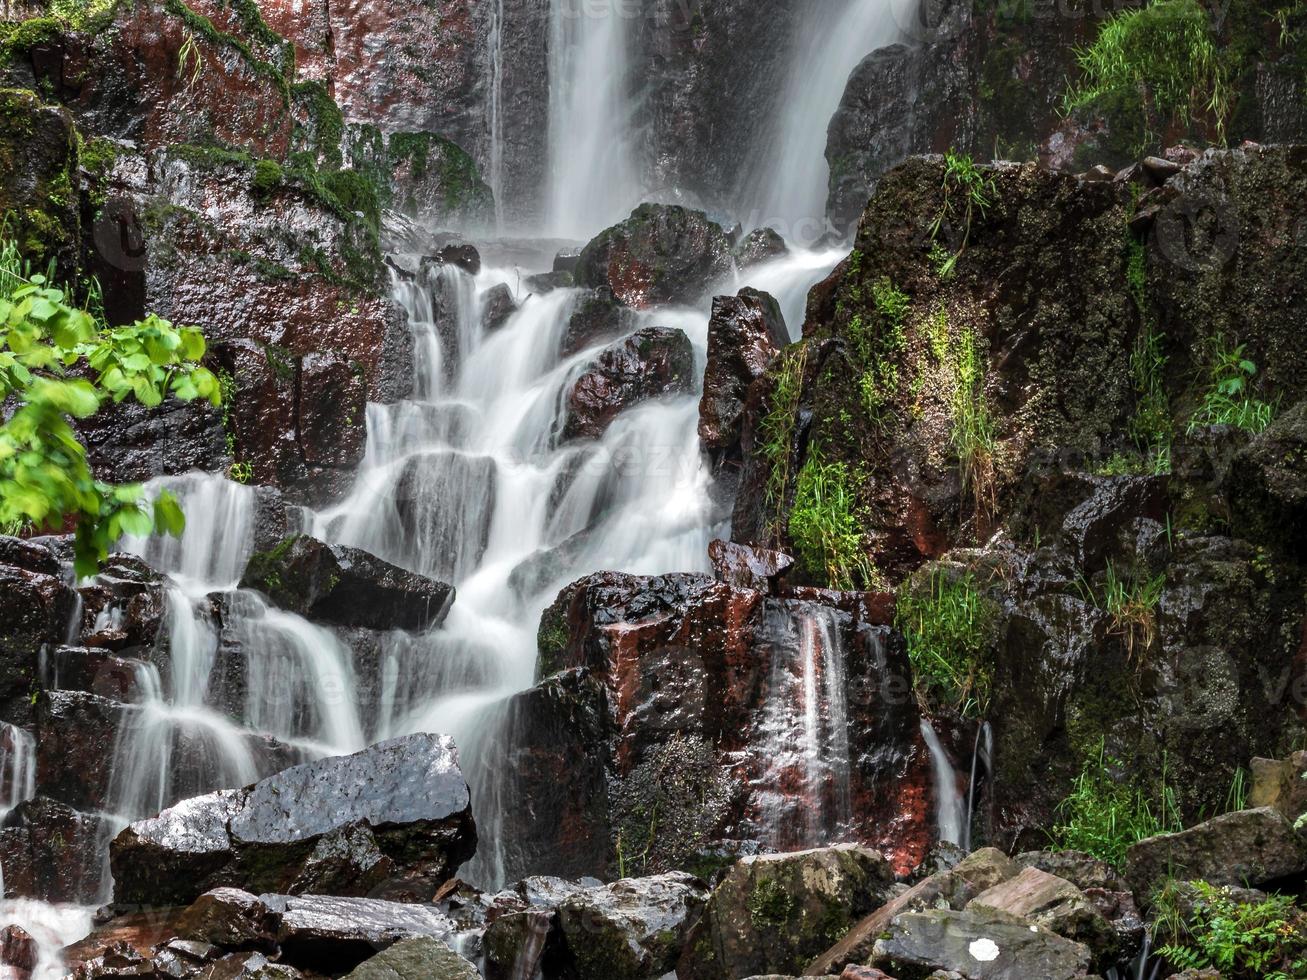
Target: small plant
(876, 346)
(777, 427)
(1103, 816)
(824, 523)
(241, 472)
(1162, 60)
(948, 628)
(967, 192)
(1264, 940)
(973, 426)
(190, 62)
(1132, 603)
(1229, 399)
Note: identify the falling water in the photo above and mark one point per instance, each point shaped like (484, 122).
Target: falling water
(950, 807)
(593, 172)
(804, 787)
(17, 767)
(982, 760)
(789, 187)
(495, 174)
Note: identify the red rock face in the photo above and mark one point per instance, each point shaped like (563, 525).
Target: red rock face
(307, 25)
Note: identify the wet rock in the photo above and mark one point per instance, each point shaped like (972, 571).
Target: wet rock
(742, 567)
(38, 172)
(394, 819)
(1268, 483)
(954, 888)
(346, 586)
(1057, 905)
(759, 246)
(566, 259)
(518, 944)
(421, 958)
(51, 852)
(451, 540)
(19, 952)
(1092, 529)
(75, 733)
(774, 913)
(1247, 847)
(633, 928)
(333, 403)
(498, 306)
(230, 918)
(978, 945)
(331, 934)
(35, 609)
(652, 363)
(427, 177)
(598, 317)
(1082, 870)
(547, 282)
(661, 254)
(745, 334)
(123, 607)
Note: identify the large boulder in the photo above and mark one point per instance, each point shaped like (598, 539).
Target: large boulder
(661, 254)
(1057, 905)
(774, 913)
(1280, 783)
(38, 180)
(36, 607)
(633, 928)
(394, 819)
(651, 363)
(51, 852)
(977, 945)
(346, 587)
(1246, 848)
(745, 333)
(420, 958)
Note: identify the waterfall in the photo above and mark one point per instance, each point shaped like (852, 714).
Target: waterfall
(593, 172)
(804, 786)
(950, 807)
(788, 188)
(17, 767)
(495, 175)
(982, 760)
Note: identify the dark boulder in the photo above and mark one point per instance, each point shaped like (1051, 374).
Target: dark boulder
(394, 819)
(742, 567)
(444, 502)
(230, 918)
(745, 334)
(52, 852)
(497, 306)
(75, 736)
(332, 407)
(35, 611)
(774, 913)
(346, 586)
(330, 934)
(1267, 483)
(597, 317)
(651, 363)
(661, 254)
(759, 246)
(547, 282)
(19, 952)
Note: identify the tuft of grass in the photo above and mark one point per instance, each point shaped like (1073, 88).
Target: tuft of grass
(1229, 399)
(967, 193)
(778, 425)
(1162, 60)
(973, 425)
(948, 627)
(1132, 604)
(1105, 816)
(876, 346)
(825, 525)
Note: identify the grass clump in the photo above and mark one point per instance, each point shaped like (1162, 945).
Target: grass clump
(824, 524)
(779, 424)
(967, 193)
(1131, 602)
(1104, 817)
(1161, 63)
(948, 627)
(1244, 940)
(1229, 399)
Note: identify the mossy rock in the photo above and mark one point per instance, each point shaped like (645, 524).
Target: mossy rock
(39, 182)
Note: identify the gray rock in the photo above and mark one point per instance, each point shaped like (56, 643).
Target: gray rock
(422, 958)
(1057, 905)
(394, 819)
(332, 934)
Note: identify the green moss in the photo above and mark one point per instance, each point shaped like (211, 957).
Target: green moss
(20, 38)
(202, 27)
(268, 177)
(324, 128)
(770, 905)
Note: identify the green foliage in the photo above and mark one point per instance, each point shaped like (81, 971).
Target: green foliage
(824, 524)
(967, 193)
(1229, 399)
(1132, 604)
(58, 364)
(778, 425)
(1151, 426)
(1264, 940)
(268, 177)
(948, 626)
(1104, 816)
(973, 425)
(1162, 61)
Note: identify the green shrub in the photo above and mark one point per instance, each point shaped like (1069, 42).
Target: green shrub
(1229, 399)
(1160, 60)
(948, 626)
(824, 523)
(1104, 816)
(1243, 940)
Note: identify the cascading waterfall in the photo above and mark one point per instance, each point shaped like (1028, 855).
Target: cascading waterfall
(495, 172)
(594, 178)
(982, 762)
(17, 767)
(950, 805)
(804, 787)
(788, 189)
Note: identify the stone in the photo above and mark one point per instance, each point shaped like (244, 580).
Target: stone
(1279, 783)
(498, 305)
(759, 246)
(333, 398)
(655, 362)
(331, 934)
(1251, 848)
(347, 587)
(742, 567)
(597, 318)
(661, 254)
(230, 918)
(38, 174)
(978, 945)
(35, 609)
(420, 958)
(546, 282)
(1057, 905)
(954, 888)
(633, 928)
(1267, 482)
(51, 852)
(1082, 870)
(774, 913)
(745, 334)
(75, 733)
(19, 952)
(394, 819)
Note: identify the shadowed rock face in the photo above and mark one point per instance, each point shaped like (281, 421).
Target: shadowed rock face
(651, 363)
(394, 819)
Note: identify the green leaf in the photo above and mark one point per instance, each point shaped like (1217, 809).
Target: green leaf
(168, 516)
